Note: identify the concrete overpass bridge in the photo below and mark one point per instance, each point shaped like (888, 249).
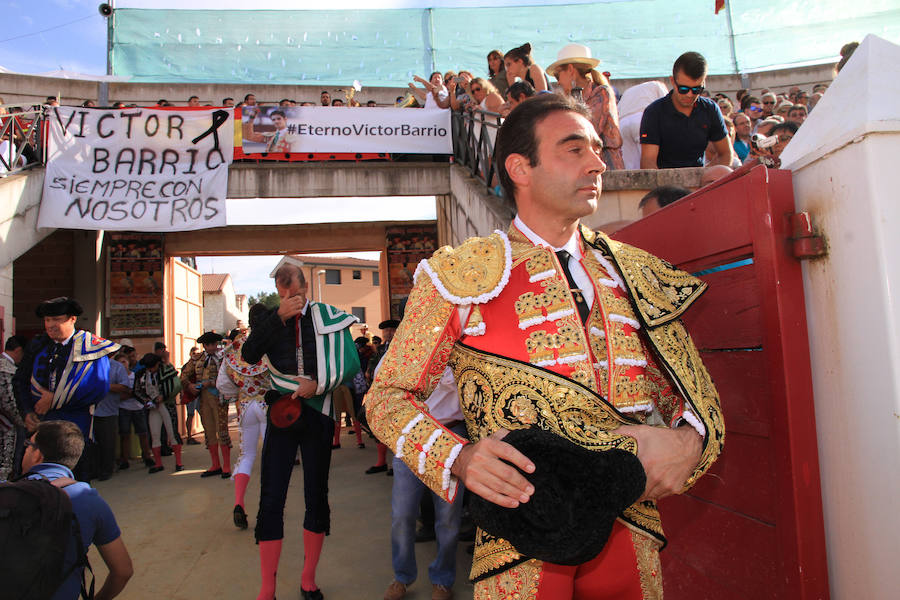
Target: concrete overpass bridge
(39, 263)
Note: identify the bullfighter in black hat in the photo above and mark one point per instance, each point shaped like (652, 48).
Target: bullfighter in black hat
(65, 370)
(555, 327)
(213, 410)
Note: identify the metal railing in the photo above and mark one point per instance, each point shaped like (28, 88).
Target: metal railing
(22, 133)
(474, 136)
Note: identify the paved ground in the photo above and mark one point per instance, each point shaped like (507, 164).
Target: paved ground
(178, 529)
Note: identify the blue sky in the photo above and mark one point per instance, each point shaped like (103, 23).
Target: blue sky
(79, 45)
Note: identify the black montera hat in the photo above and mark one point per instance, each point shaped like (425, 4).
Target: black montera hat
(210, 337)
(578, 494)
(389, 323)
(58, 307)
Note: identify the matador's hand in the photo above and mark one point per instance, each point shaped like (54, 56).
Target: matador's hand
(306, 388)
(43, 404)
(668, 456)
(481, 468)
(31, 421)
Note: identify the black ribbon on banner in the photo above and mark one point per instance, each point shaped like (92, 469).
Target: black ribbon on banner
(218, 119)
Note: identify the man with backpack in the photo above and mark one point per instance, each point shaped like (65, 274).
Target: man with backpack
(80, 516)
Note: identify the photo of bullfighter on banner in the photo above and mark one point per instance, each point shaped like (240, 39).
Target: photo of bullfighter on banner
(137, 169)
(312, 129)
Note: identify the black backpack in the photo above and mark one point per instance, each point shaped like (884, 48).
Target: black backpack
(36, 524)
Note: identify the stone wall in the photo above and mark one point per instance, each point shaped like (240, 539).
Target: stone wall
(46, 271)
(470, 210)
(18, 88)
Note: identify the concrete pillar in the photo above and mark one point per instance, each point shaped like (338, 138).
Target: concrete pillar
(6, 301)
(843, 165)
(89, 267)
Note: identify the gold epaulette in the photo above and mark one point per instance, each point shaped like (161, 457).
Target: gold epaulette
(472, 273)
(661, 291)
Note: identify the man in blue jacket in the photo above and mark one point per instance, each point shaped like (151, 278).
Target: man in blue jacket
(65, 371)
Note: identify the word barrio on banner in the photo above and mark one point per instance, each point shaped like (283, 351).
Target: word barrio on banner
(341, 129)
(137, 169)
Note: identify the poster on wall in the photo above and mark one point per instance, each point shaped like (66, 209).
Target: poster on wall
(294, 133)
(136, 169)
(406, 247)
(135, 281)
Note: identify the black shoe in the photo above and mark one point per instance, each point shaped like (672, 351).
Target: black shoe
(424, 534)
(104, 477)
(211, 473)
(192, 442)
(360, 445)
(313, 595)
(149, 462)
(335, 446)
(376, 469)
(156, 469)
(390, 472)
(179, 467)
(226, 475)
(123, 465)
(240, 517)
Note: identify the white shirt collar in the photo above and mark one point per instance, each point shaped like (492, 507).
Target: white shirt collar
(305, 308)
(9, 358)
(69, 339)
(573, 246)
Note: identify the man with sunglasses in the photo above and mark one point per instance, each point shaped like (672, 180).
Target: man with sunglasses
(676, 129)
(768, 105)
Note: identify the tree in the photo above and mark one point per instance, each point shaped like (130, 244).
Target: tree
(270, 300)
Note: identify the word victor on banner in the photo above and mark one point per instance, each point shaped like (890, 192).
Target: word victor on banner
(137, 169)
(338, 129)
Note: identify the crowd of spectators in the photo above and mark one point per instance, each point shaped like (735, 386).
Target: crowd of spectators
(748, 117)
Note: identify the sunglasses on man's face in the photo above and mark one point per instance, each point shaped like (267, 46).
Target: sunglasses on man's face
(755, 109)
(684, 89)
(769, 102)
(475, 89)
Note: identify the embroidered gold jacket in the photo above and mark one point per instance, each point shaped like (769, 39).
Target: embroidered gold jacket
(499, 312)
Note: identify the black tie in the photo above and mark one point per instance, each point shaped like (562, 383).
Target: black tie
(583, 309)
(56, 355)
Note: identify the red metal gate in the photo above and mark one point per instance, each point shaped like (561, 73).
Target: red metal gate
(752, 528)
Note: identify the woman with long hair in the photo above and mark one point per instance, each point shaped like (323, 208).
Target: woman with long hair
(519, 63)
(497, 72)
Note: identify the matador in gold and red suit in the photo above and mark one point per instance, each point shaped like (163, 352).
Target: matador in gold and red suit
(499, 311)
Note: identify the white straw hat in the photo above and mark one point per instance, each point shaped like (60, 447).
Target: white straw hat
(572, 53)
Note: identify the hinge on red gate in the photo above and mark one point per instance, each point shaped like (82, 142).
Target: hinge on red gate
(806, 243)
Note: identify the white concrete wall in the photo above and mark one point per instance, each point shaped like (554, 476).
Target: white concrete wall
(6, 299)
(854, 335)
(20, 196)
(214, 312)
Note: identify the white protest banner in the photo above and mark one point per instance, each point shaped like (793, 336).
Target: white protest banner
(345, 129)
(137, 169)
